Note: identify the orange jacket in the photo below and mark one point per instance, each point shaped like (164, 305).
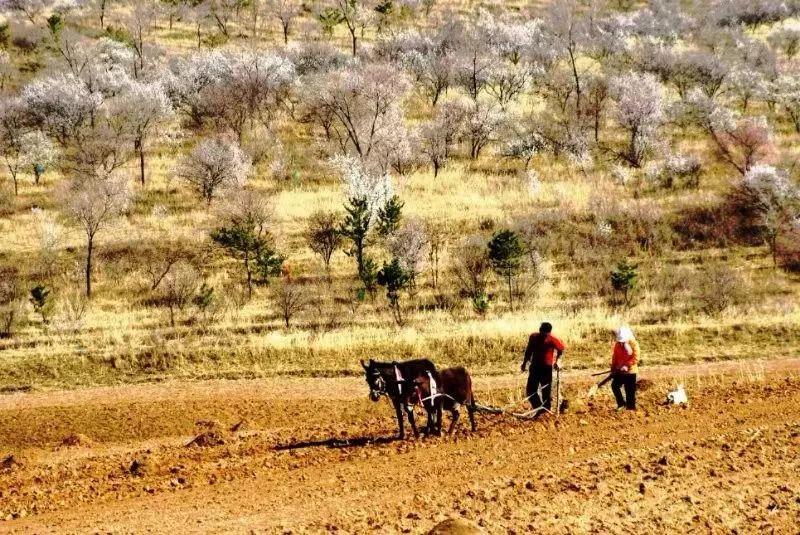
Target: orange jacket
(543, 349)
(625, 354)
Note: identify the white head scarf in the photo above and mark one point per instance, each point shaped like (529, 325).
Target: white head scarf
(624, 334)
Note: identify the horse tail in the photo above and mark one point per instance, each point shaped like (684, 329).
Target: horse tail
(470, 401)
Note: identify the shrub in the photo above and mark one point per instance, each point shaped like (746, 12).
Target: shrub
(471, 267)
(719, 288)
(42, 301)
(11, 302)
(706, 224)
(788, 251)
(480, 304)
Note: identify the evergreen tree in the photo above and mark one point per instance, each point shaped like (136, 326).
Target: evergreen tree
(389, 216)
(506, 253)
(395, 279)
(243, 241)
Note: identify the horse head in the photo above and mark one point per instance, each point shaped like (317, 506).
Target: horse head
(375, 380)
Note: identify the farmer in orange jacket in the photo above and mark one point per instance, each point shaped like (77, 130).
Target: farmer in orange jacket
(544, 353)
(624, 367)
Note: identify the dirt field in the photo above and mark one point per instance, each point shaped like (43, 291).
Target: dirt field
(115, 459)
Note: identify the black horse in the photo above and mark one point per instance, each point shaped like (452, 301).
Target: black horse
(451, 388)
(399, 381)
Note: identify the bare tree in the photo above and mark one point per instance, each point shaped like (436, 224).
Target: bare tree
(786, 39)
(93, 204)
(7, 69)
(285, 11)
(140, 24)
(567, 31)
(178, 288)
(481, 124)
(356, 15)
(324, 237)
(596, 98)
(102, 7)
(30, 8)
(433, 70)
(408, 244)
(202, 84)
(223, 12)
(437, 136)
(291, 299)
(214, 164)
(437, 242)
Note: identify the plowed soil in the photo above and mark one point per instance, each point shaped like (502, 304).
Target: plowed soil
(315, 455)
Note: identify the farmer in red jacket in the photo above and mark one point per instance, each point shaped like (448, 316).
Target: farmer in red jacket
(544, 353)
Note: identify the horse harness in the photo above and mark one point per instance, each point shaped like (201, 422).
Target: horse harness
(400, 381)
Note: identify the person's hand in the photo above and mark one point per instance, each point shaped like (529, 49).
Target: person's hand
(557, 365)
(624, 369)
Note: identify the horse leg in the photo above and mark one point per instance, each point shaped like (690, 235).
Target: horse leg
(410, 414)
(430, 412)
(398, 409)
(439, 419)
(453, 421)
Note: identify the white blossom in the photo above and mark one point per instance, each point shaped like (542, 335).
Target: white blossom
(358, 183)
(640, 110)
(62, 103)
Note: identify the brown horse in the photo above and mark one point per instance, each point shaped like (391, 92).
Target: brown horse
(398, 381)
(451, 388)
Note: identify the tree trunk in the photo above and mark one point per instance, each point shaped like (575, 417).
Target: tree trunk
(354, 38)
(89, 250)
(510, 294)
(577, 82)
(140, 149)
(249, 276)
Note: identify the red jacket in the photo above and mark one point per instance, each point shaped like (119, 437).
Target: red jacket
(543, 349)
(625, 354)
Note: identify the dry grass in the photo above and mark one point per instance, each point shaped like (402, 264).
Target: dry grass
(120, 338)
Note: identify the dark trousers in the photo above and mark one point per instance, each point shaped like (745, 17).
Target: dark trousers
(628, 381)
(540, 376)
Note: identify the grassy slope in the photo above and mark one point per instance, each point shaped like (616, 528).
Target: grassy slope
(120, 339)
